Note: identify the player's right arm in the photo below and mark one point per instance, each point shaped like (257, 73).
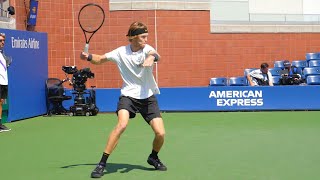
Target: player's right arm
(249, 78)
(94, 58)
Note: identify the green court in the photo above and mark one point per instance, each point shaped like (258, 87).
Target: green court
(199, 146)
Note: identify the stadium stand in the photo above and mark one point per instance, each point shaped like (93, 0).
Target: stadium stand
(276, 71)
(313, 80)
(237, 81)
(310, 56)
(308, 71)
(314, 63)
(279, 64)
(299, 63)
(220, 81)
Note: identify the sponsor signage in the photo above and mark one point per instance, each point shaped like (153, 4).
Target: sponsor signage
(32, 20)
(237, 98)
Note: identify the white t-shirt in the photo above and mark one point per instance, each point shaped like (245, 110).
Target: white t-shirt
(138, 81)
(3, 71)
(258, 74)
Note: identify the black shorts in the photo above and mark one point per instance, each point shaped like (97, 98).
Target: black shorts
(3, 91)
(148, 108)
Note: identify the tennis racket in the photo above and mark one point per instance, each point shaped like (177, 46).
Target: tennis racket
(91, 17)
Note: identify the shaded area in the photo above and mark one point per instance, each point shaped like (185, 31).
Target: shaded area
(115, 167)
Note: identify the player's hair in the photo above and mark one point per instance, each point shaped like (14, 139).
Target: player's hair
(135, 29)
(264, 65)
(3, 35)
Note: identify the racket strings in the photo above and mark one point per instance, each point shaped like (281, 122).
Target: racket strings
(91, 18)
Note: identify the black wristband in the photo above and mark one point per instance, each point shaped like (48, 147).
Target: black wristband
(89, 57)
(156, 57)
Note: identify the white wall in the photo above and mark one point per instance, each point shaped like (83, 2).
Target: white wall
(311, 6)
(270, 10)
(229, 10)
(275, 16)
(276, 6)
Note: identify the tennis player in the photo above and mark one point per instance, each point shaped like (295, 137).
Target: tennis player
(135, 62)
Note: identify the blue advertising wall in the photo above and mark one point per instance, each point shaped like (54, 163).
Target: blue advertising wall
(237, 98)
(227, 98)
(27, 73)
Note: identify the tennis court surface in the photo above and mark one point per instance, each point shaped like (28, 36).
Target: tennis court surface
(199, 146)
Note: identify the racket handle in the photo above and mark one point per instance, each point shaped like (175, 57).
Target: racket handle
(86, 48)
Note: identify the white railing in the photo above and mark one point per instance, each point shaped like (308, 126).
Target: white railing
(261, 18)
(285, 18)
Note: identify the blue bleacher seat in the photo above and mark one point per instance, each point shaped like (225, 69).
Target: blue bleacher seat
(276, 71)
(313, 80)
(308, 71)
(238, 81)
(279, 64)
(220, 81)
(299, 63)
(308, 64)
(314, 63)
(276, 80)
(310, 56)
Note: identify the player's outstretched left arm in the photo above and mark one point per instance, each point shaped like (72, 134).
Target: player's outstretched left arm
(153, 56)
(93, 58)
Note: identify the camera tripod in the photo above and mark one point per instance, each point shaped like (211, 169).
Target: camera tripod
(84, 106)
(85, 100)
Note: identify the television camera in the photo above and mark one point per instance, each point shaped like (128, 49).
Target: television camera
(9, 11)
(82, 105)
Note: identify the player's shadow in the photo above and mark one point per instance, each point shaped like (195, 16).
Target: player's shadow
(115, 167)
